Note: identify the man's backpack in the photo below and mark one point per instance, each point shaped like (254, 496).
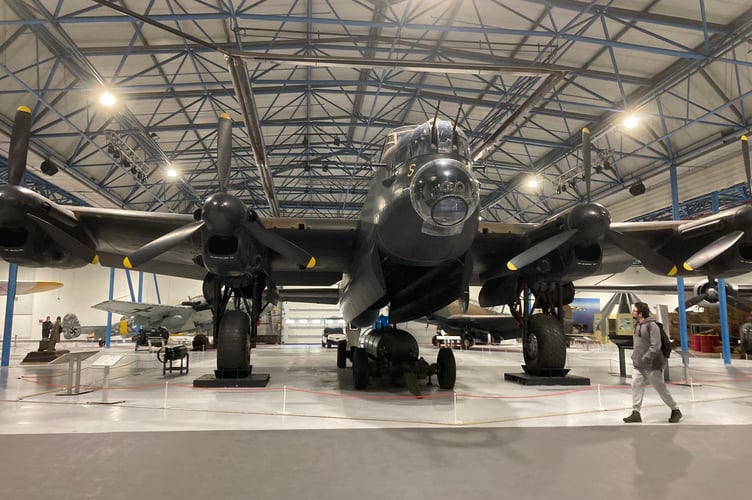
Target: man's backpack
(665, 341)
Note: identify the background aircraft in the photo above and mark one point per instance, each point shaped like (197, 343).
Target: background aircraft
(702, 291)
(417, 246)
(190, 316)
(26, 287)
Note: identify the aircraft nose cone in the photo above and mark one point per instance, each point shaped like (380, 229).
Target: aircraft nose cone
(591, 219)
(223, 213)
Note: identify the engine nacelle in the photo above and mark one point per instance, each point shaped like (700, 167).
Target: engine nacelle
(26, 223)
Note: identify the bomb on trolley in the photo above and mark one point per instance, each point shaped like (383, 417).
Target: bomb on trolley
(388, 352)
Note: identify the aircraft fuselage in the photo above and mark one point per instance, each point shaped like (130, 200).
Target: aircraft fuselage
(416, 227)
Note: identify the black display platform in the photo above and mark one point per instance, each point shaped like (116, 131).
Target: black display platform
(527, 379)
(210, 380)
(43, 356)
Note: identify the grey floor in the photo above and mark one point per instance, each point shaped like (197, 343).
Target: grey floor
(309, 435)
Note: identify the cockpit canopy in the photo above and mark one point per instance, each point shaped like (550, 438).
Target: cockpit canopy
(408, 142)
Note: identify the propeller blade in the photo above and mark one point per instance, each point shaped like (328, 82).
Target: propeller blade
(712, 250)
(694, 300)
(70, 243)
(586, 159)
(538, 250)
(224, 150)
(159, 246)
(282, 246)
(19, 145)
(640, 251)
(740, 303)
(745, 157)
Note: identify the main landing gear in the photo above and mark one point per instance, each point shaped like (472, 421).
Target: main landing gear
(235, 331)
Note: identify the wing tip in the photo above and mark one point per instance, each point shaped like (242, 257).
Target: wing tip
(95, 260)
(127, 263)
(687, 267)
(25, 109)
(311, 263)
(511, 266)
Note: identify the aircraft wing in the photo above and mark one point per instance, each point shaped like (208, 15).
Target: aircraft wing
(119, 233)
(26, 287)
(151, 312)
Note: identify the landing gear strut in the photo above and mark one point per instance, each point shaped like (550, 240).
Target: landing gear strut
(235, 331)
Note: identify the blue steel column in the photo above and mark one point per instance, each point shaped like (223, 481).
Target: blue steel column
(9, 303)
(722, 303)
(108, 335)
(679, 281)
(156, 289)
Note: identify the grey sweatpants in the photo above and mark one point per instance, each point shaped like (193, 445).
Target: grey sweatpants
(641, 378)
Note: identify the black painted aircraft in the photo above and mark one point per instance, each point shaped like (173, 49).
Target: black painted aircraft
(416, 247)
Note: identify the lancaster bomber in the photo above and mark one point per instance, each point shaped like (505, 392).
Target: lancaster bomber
(417, 245)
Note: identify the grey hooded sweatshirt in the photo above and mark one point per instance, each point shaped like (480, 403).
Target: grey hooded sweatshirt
(647, 353)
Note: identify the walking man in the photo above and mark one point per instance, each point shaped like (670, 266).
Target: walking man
(648, 362)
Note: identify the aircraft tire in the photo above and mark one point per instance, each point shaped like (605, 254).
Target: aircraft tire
(546, 345)
(341, 354)
(233, 343)
(360, 368)
(446, 368)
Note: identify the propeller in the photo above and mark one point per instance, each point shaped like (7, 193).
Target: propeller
(586, 160)
(70, 243)
(19, 145)
(709, 293)
(538, 250)
(640, 251)
(224, 150)
(593, 222)
(224, 209)
(284, 247)
(713, 250)
(717, 247)
(745, 157)
(17, 154)
(159, 246)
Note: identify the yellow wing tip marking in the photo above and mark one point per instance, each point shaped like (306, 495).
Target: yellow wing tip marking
(687, 267)
(511, 266)
(25, 109)
(127, 263)
(744, 137)
(95, 260)
(673, 271)
(225, 116)
(311, 263)
(586, 130)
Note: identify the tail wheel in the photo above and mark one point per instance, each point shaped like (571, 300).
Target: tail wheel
(360, 368)
(341, 354)
(546, 346)
(234, 345)
(446, 368)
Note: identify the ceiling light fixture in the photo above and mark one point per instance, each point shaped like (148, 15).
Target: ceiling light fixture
(631, 121)
(107, 99)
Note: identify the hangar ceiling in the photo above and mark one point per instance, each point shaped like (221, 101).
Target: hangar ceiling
(314, 85)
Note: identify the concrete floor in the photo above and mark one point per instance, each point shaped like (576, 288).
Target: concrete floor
(318, 438)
